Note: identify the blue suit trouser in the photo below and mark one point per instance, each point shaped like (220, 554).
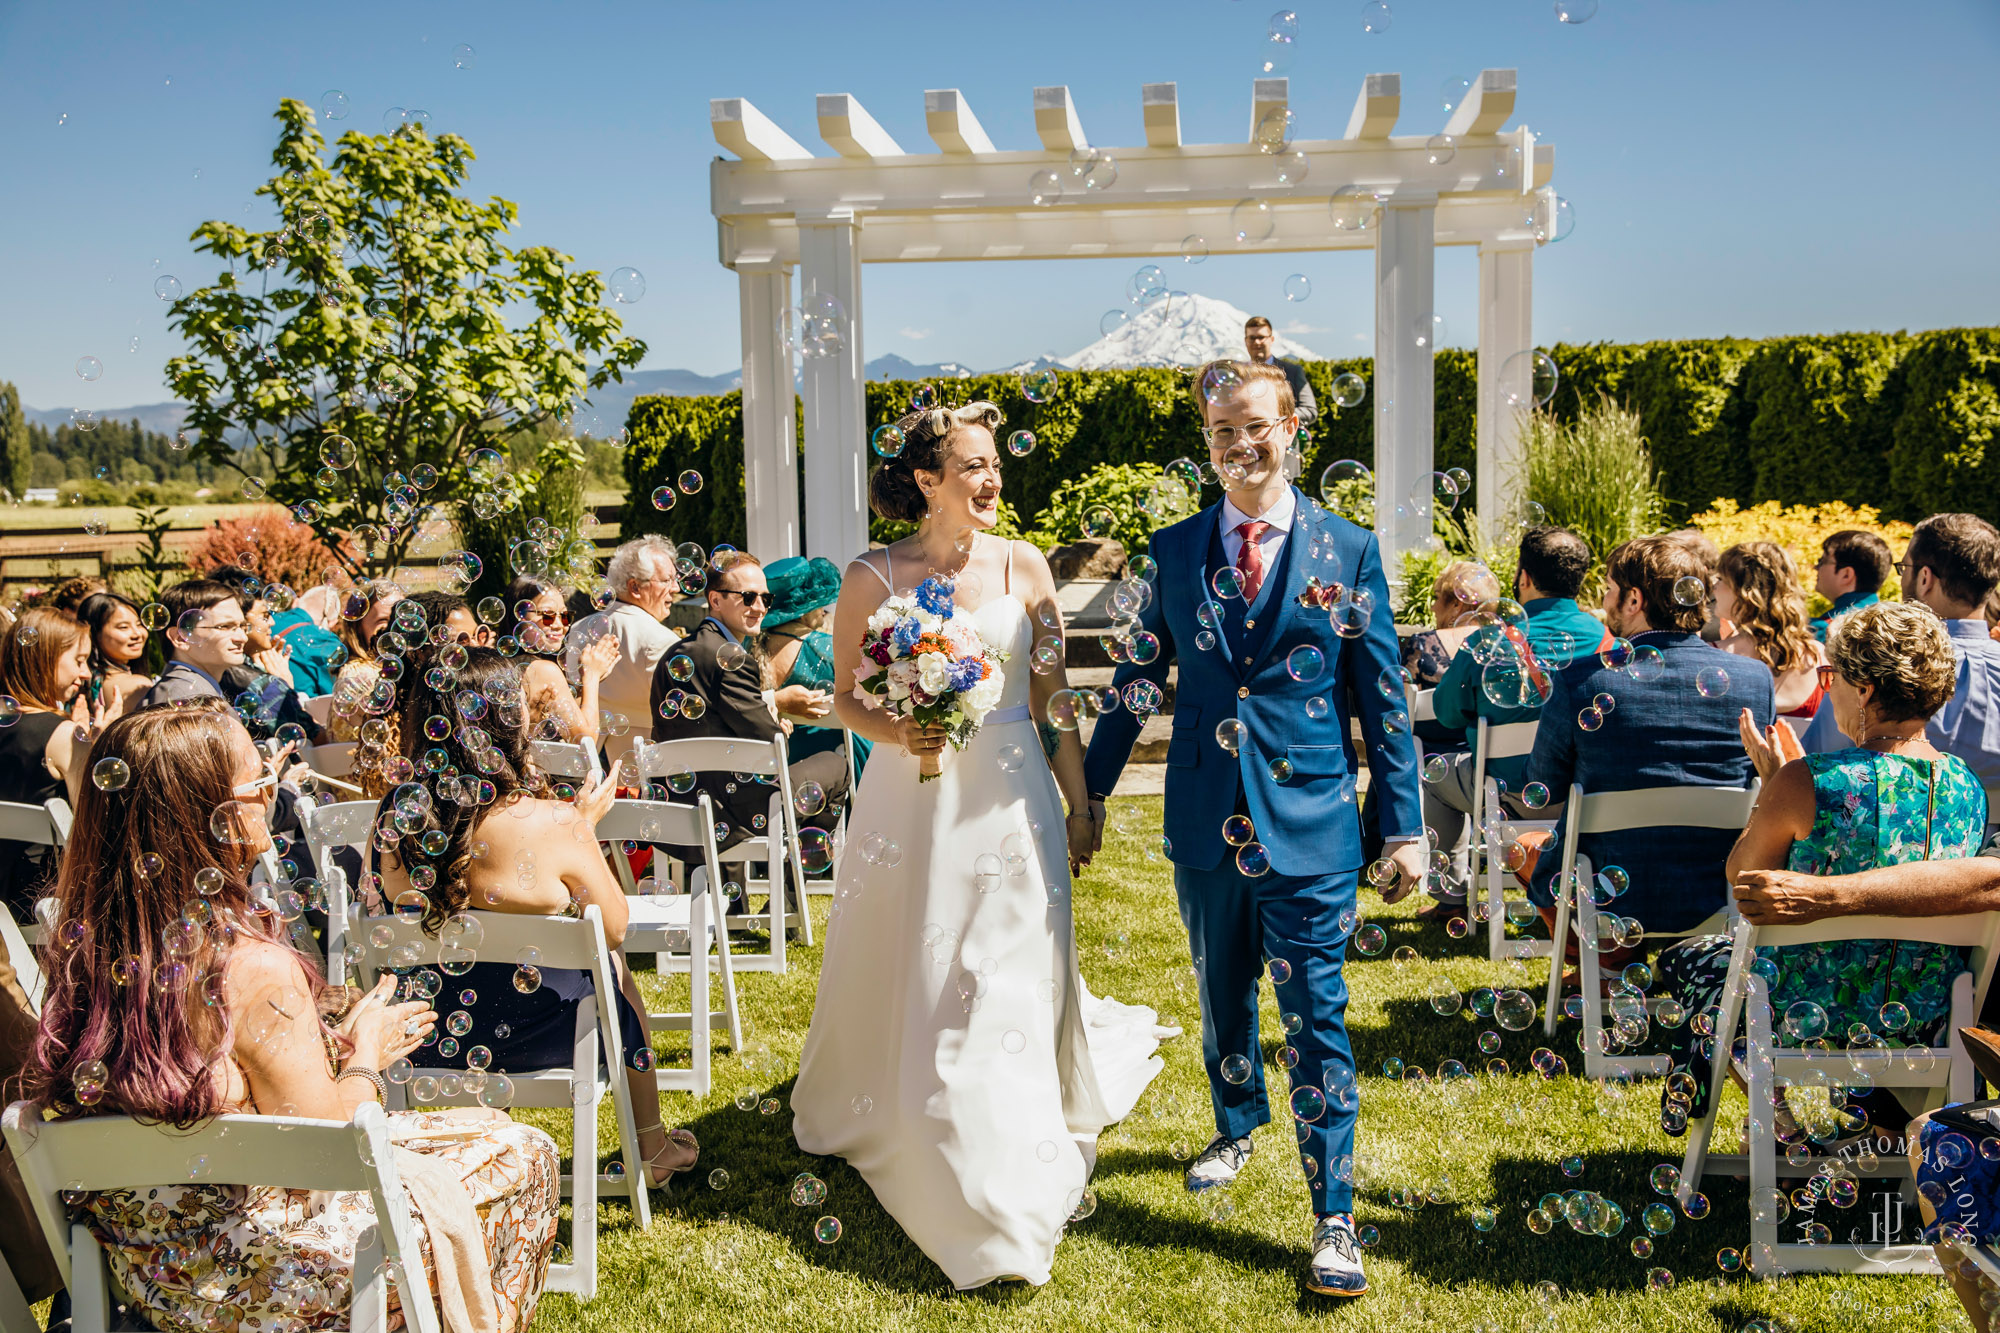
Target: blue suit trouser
(1236, 923)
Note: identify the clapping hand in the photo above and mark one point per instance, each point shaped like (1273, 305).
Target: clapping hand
(594, 802)
(595, 662)
(1772, 750)
(380, 1030)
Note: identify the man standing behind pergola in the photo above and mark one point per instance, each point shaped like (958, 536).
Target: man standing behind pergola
(1257, 340)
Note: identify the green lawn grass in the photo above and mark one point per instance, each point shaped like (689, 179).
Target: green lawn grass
(743, 1257)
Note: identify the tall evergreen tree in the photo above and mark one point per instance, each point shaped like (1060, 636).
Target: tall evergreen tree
(15, 449)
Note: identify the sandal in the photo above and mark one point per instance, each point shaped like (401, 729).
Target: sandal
(682, 1153)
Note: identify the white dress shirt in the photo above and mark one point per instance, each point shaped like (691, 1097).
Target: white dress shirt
(1272, 542)
(628, 689)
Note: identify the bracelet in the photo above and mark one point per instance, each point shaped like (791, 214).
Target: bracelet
(363, 1071)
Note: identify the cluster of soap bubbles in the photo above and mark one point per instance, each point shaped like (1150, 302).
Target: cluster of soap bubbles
(1089, 170)
(816, 328)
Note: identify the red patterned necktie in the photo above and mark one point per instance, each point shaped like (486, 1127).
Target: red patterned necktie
(1250, 559)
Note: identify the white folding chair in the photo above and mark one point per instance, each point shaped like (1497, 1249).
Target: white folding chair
(778, 845)
(343, 824)
(581, 1085)
(1508, 740)
(567, 759)
(1940, 1076)
(45, 825)
(1616, 812)
(335, 760)
(319, 707)
(659, 923)
(115, 1152)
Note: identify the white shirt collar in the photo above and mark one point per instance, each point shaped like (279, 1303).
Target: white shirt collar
(1279, 515)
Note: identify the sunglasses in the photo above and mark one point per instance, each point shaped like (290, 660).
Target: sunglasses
(547, 617)
(749, 598)
(259, 787)
(1826, 675)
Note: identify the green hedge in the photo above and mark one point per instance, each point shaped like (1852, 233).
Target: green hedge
(1899, 421)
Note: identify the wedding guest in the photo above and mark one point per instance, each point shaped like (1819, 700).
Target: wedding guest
(1258, 339)
(71, 593)
(797, 648)
(1853, 566)
(364, 618)
(1991, 610)
(523, 852)
(44, 664)
(1889, 799)
(23, 1248)
(1667, 720)
(540, 623)
(179, 1051)
(206, 635)
(117, 650)
(1952, 565)
(1550, 568)
(643, 579)
(712, 684)
(1757, 595)
(262, 688)
(306, 632)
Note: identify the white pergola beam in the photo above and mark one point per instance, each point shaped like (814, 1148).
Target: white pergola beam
(1506, 327)
(847, 128)
(1486, 106)
(835, 411)
(770, 436)
(953, 127)
(1160, 107)
(1155, 233)
(1266, 97)
(1376, 109)
(1056, 122)
(750, 134)
(1405, 285)
(1152, 177)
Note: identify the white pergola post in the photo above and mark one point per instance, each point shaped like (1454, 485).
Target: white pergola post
(1405, 280)
(770, 432)
(836, 424)
(1506, 328)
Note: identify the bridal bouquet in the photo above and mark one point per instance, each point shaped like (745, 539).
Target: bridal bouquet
(923, 658)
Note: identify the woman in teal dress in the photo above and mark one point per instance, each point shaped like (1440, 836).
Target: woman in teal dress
(797, 651)
(1888, 800)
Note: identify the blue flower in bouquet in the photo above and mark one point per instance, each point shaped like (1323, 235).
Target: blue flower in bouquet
(904, 637)
(935, 596)
(967, 672)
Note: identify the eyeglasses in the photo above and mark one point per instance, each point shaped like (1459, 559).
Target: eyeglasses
(1904, 566)
(1255, 432)
(226, 627)
(1826, 675)
(259, 787)
(749, 598)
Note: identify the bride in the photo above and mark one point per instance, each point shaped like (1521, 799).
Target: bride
(956, 1058)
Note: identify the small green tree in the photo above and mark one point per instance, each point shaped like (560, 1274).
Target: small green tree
(1595, 476)
(16, 451)
(391, 339)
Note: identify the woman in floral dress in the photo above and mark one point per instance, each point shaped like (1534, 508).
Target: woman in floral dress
(1890, 799)
(173, 998)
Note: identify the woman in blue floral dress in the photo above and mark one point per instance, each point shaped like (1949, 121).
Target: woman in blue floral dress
(1888, 800)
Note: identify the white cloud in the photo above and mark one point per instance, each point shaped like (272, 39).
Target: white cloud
(1300, 327)
(1361, 337)
(915, 335)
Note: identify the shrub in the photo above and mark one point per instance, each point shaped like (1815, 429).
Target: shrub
(1801, 530)
(270, 544)
(1942, 457)
(1120, 491)
(1595, 476)
(551, 491)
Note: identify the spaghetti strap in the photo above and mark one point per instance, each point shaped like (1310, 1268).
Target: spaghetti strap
(869, 565)
(1007, 584)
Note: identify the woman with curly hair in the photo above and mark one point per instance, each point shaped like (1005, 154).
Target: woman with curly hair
(1757, 594)
(475, 825)
(1889, 799)
(174, 996)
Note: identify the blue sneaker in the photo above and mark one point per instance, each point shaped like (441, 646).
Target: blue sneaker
(1336, 1258)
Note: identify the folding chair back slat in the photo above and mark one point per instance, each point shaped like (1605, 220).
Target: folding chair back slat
(26, 823)
(335, 760)
(567, 759)
(1664, 807)
(1507, 740)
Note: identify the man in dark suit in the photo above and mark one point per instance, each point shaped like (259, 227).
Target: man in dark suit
(712, 684)
(1668, 717)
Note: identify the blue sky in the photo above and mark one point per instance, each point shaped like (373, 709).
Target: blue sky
(1753, 167)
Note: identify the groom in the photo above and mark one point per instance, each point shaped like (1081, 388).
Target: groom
(1265, 831)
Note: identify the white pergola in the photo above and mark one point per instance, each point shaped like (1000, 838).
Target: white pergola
(778, 207)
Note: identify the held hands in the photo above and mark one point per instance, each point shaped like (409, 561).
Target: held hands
(1408, 858)
(1776, 747)
(594, 663)
(382, 1030)
(919, 738)
(1081, 829)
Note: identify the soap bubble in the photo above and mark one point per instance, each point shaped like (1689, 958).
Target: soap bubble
(689, 482)
(1452, 91)
(1528, 379)
(1893, 1016)
(1021, 443)
(1045, 187)
(1298, 287)
(827, 1230)
(333, 105)
(626, 285)
(1370, 940)
(1305, 663)
(1429, 332)
(1354, 208)
(1805, 1021)
(109, 774)
(1375, 16)
(1038, 386)
(887, 441)
(1235, 1069)
(167, 287)
(1575, 11)
(1348, 391)
(1713, 682)
(664, 497)
(1229, 734)
(1251, 221)
(1534, 796)
(1690, 591)
(1440, 149)
(1590, 719)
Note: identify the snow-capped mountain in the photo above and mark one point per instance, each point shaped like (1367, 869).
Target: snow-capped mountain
(1183, 329)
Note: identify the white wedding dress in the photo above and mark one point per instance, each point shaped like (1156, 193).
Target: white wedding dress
(956, 1058)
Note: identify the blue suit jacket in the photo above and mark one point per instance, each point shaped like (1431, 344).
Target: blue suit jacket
(1662, 732)
(1309, 823)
